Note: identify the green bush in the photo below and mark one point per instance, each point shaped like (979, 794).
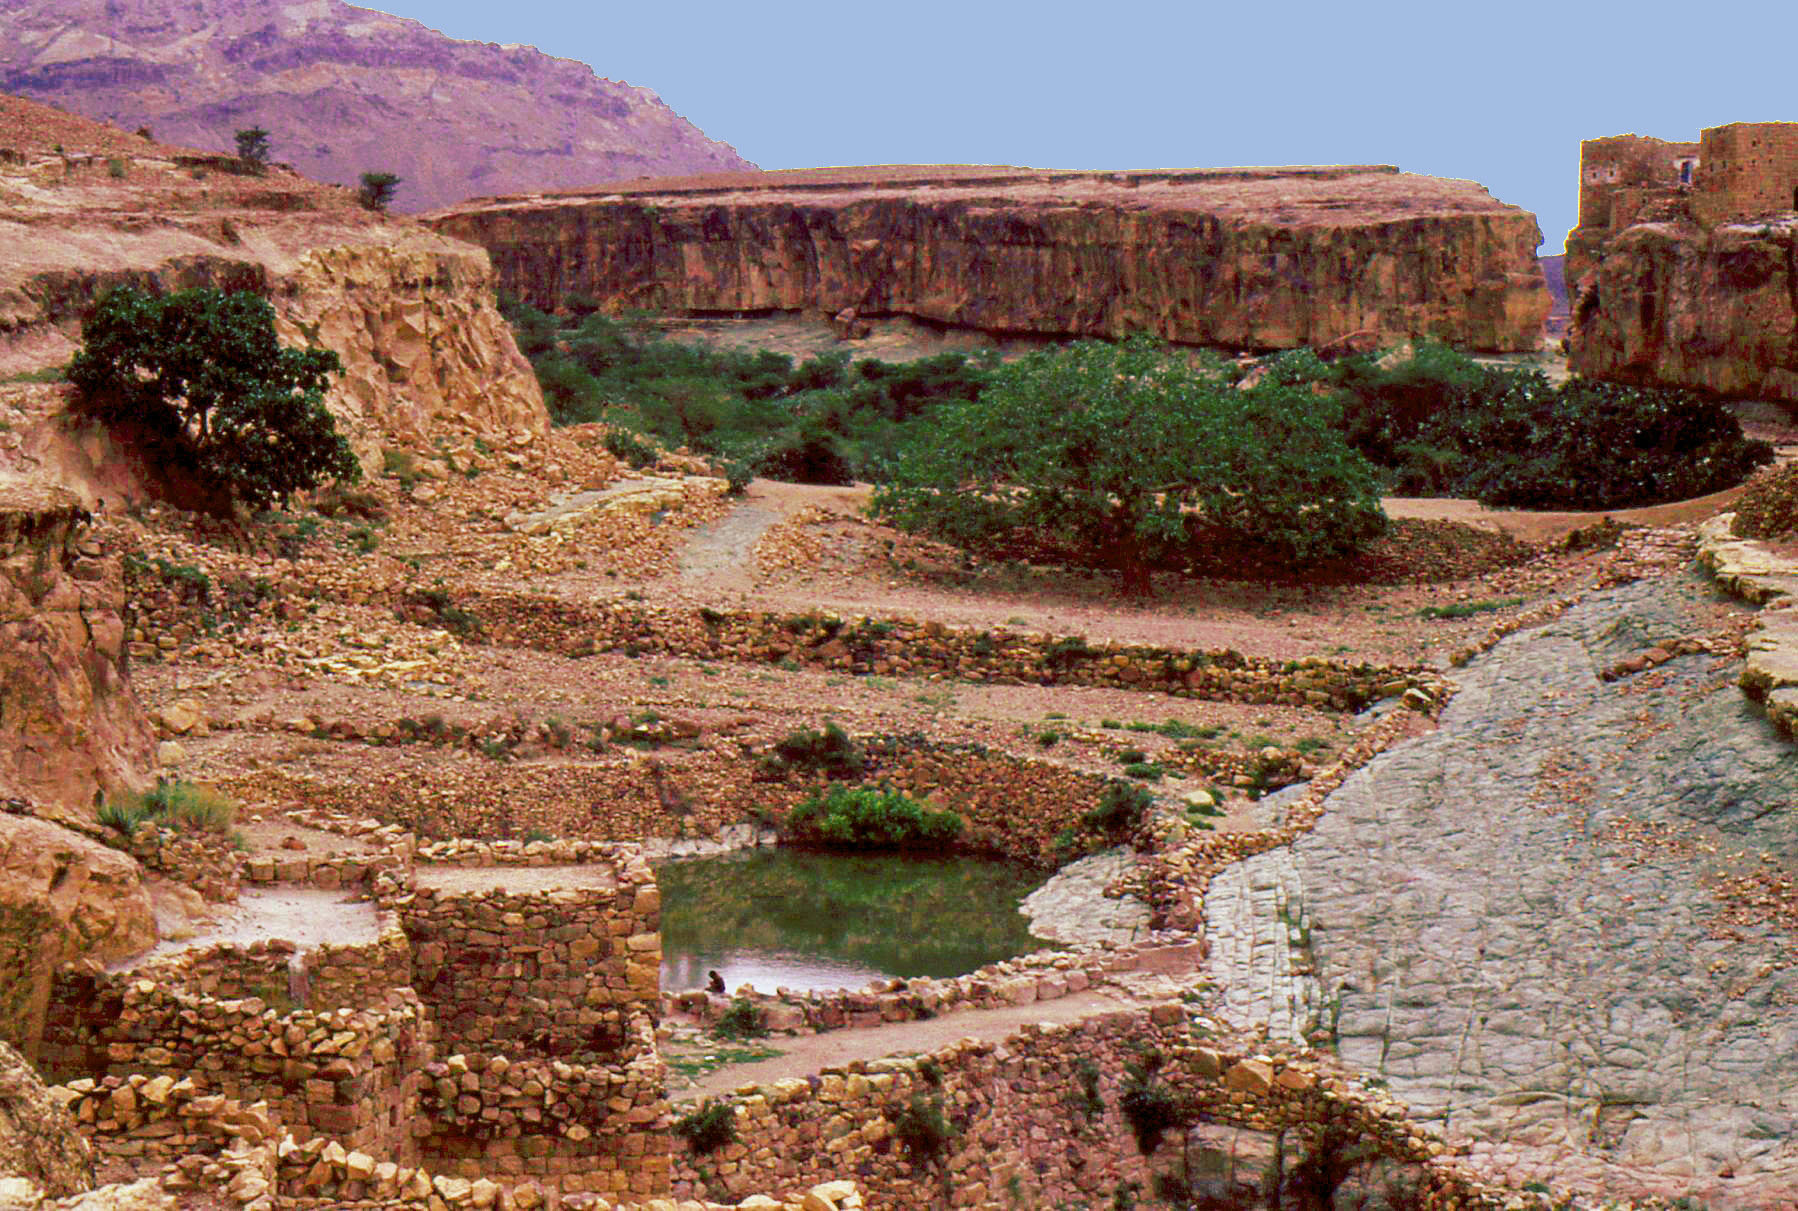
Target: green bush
(825, 421)
(1127, 455)
(202, 376)
(1769, 507)
(182, 806)
(830, 752)
(868, 817)
(743, 1020)
(708, 1127)
(376, 190)
(1440, 424)
(1121, 808)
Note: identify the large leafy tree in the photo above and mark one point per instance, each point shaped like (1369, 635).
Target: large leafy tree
(202, 374)
(1126, 454)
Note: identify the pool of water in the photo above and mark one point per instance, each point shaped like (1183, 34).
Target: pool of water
(780, 918)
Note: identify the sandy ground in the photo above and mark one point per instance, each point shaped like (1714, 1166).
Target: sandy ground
(305, 916)
(516, 879)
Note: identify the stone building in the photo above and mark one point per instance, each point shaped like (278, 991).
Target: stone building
(1741, 170)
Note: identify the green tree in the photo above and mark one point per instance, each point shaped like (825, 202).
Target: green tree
(377, 190)
(201, 374)
(1125, 455)
(252, 147)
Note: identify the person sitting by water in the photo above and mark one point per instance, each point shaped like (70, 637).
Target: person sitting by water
(714, 983)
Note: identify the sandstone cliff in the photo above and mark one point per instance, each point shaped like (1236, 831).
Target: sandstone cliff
(411, 312)
(1254, 258)
(345, 90)
(69, 724)
(1676, 304)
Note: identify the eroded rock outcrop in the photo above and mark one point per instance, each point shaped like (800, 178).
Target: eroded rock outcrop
(409, 311)
(1256, 258)
(1673, 303)
(63, 897)
(70, 727)
(38, 1140)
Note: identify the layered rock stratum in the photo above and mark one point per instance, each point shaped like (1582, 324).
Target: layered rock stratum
(70, 727)
(344, 90)
(84, 206)
(1674, 303)
(1250, 258)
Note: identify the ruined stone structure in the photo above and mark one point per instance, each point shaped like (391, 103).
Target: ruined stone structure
(1241, 257)
(1679, 272)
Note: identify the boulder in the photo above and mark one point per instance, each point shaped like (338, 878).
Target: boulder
(38, 1140)
(62, 897)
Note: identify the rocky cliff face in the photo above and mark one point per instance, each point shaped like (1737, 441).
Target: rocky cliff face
(410, 312)
(1255, 258)
(69, 723)
(1673, 303)
(344, 90)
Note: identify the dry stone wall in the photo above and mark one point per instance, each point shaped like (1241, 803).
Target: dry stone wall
(908, 647)
(559, 971)
(1026, 1131)
(350, 1074)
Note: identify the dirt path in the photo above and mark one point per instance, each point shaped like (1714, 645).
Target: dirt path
(721, 557)
(807, 1054)
(1534, 526)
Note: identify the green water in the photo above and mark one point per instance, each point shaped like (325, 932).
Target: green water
(803, 920)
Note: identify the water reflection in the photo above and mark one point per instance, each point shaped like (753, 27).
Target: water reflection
(785, 918)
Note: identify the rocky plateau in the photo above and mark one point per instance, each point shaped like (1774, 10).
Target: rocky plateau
(1251, 258)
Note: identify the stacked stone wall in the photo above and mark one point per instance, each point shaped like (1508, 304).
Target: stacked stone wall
(558, 972)
(1025, 1132)
(906, 647)
(348, 1074)
(574, 1128)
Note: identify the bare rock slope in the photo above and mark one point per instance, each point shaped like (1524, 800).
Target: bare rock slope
(1257, 257)
(84, 206)
(346, 90)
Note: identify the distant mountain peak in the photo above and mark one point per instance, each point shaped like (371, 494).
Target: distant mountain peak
(345, 90)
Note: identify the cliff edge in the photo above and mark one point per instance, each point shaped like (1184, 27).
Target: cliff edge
(1258, 258)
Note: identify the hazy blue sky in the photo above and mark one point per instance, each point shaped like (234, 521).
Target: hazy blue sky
(1500, 93)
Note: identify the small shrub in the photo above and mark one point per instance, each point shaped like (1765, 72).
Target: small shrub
(709, 1127)
(1130, 756)
(116, 168)
(869, 817)
(123, 816)
(628, 447)
(1144, 771)
(1149, 1105)
(830, 752)
(743, 1020)
(921, 1128)
(252, 148)
(376, 190)
(1121, 808)
(1468, 609)
(181, 806)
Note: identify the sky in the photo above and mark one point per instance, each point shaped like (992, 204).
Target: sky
(1497, 93)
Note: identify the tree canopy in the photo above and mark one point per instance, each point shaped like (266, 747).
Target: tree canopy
(202, 374)
(1126, 455)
